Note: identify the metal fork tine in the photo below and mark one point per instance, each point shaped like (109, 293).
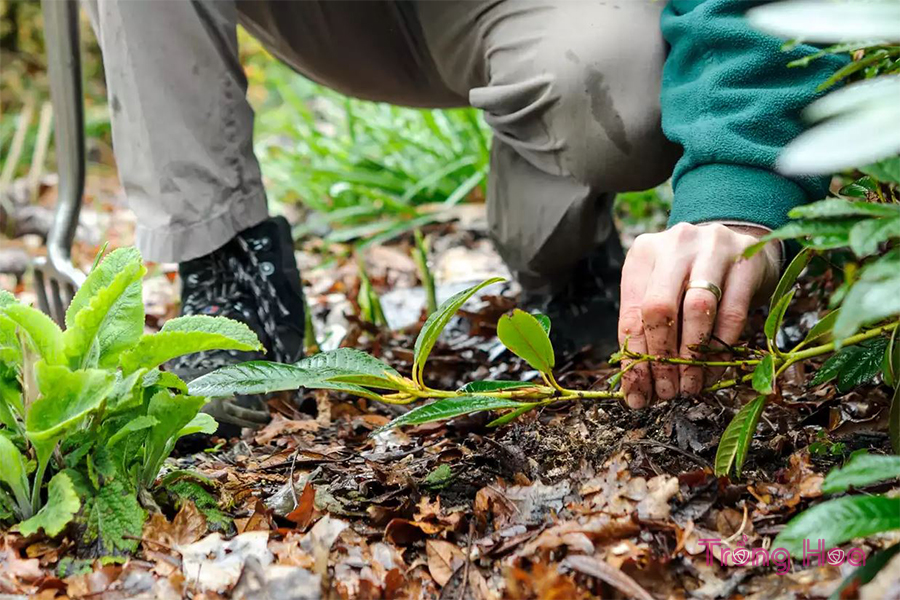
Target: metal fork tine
(57, 303)
(41, 290)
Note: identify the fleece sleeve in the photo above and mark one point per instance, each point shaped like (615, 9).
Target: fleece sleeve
(730, 100)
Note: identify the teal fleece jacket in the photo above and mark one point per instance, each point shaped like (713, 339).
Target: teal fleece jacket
(729, 99)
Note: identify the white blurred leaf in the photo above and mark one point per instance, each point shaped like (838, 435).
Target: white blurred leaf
(881, 91)
(821, 21)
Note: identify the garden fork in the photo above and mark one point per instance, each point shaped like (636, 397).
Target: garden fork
(56, 279)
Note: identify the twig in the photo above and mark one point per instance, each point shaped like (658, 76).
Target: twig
(465, 581)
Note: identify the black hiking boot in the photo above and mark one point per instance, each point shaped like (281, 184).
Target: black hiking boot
(584, 312)
(253, 279)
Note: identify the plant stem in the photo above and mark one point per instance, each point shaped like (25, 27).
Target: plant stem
(672, 360)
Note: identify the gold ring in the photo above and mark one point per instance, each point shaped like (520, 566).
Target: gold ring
(702, 284)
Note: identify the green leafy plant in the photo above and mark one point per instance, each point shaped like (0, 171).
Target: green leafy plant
(90, 405)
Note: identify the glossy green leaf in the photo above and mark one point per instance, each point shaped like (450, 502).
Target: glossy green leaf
(525, 337)
(838, 521)
(62, 504)
(490, 385)
(113, 318)
(66, 398)
(164, 379)
(254, 377)
(436, 322)
(821, 331)
(822, 235)
(862, 470)
(867, 236)
(865, 572)
(853, 365)
(776, 315)
(835, 208)
(886, 171)
(789, 278)
(736, 439)
(13, 474)
(890, 364)
(873, 298)
(187, 335)
(45, 336)
(448, 408)
(764, 375)
(351, 366)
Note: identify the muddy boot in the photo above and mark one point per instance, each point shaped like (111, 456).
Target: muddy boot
(253, 279)
(584, 312)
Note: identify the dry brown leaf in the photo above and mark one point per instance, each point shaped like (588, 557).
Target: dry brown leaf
(611, 575)
(443, 559)
(305, 512)
(161, 536)
(403, 532)
(281, 426)
(14, 570)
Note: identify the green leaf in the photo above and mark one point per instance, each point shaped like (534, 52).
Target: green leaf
(66, 398)
(111, 517)
(890, 367)
(45, 336)
(866, 236)
(201, 423)
(13, 474)
(436, 322)
(835, 207)
(865, 572)
(862, 470)
(62, 504)
(776, 315)
(822, 235)
(838, 521)
(544, 320)
(489, 385)
(439, 478)
(187, 335)
(853, 365)
(349, 365)
(164, 379)
(822, 329)
(137, 424)
(113, 318)
(764, 375)
(523, 334)
(789, 278)
(101, 277)
(873, 298)
(886, 171)
(448, 408)
(735, 441)
(172, 413)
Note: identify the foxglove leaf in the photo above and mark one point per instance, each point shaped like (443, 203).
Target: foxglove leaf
(62, 504)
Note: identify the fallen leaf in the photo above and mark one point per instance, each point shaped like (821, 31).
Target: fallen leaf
(305, 512)
(214, 564)
(162, 537)
(443, 559)
(611, 575)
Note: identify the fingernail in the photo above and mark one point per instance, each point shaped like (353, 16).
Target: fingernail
(665, 389)
(635, 400)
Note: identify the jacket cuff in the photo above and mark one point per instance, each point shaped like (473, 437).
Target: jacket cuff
(727, 192)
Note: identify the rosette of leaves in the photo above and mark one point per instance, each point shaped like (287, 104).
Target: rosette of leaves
(88, 412)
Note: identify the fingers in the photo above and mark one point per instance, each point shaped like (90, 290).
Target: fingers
(660, 311)
(636, 271)
(699, 311)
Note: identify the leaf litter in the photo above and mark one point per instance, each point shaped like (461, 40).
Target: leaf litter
(588, 501)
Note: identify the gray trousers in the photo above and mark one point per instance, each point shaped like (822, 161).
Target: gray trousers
(570, 89)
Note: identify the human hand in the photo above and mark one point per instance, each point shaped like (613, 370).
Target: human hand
(658, 314)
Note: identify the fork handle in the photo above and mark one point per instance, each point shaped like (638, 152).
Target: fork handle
(64, 70)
